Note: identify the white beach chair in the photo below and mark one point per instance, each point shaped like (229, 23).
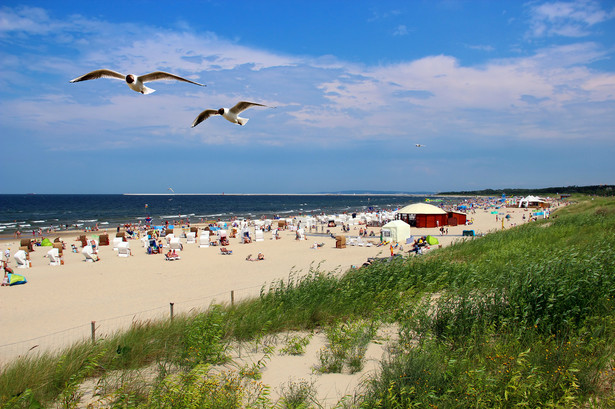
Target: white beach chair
(191, 237)
(170, 237)
(245, 232)
(123, 249)
(89, 255)
(259, 235)
(116, 241)
(54, 257)
(204, 239)
(300, 234)
(175, 244)
(145, 241)
(21, 259)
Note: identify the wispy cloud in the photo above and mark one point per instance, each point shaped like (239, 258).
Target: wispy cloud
(480, 47)
(400, 30)
(567, 19)
(379, 15)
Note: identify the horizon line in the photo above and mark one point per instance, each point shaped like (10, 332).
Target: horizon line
(279, 194)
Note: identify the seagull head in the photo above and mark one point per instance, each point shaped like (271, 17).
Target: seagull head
(221, 111)
(130, 78)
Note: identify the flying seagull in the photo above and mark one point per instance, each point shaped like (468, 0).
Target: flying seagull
(418, 145)
(134, 82)
(228, 114)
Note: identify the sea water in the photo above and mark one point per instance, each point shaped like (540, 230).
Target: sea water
(32, 212)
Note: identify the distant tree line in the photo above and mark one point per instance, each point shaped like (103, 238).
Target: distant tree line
(595, 190)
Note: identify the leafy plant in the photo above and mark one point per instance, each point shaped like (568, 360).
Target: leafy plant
(202, 388)
(295, 345)
(298, 395)
(253, 370)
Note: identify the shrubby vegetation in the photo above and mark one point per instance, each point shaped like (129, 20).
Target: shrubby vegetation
(594, 190)
(522, 317)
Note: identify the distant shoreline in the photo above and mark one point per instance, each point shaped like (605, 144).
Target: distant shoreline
(281, 194)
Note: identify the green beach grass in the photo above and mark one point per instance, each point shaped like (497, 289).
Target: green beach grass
(518, 318)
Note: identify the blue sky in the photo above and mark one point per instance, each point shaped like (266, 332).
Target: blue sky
(501, 93)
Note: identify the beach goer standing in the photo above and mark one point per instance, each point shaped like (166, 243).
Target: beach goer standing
(5, 280)
(7, 256)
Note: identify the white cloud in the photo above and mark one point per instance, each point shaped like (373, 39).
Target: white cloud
(30, 20)
(433, 95)
(481, 47)
(568, 19)
(400, 30)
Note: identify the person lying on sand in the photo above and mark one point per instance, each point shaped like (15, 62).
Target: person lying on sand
(260, 256)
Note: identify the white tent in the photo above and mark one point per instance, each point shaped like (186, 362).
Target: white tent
(396, 231)
(532, 201)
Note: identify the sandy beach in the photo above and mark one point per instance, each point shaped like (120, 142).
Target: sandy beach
(58, 303)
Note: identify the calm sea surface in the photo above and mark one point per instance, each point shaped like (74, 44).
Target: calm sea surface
(40, 211)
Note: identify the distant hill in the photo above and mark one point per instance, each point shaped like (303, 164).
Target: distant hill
(596, 190)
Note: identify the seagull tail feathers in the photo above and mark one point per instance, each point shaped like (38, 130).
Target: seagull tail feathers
(147, 90)
(242, 121)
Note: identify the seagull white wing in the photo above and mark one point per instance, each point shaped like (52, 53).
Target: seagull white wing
(203, 116)
(161, 75)
(243, 105)
(100, 74)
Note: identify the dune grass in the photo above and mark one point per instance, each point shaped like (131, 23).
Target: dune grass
(522, 317)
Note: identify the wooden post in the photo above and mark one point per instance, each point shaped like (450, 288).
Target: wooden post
(232, 297)
(93, 331)
(171, 307)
